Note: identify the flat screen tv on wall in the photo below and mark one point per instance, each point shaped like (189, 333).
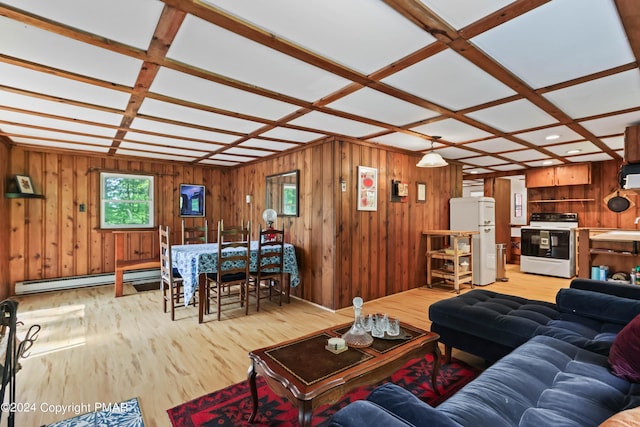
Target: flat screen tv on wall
(192, 200)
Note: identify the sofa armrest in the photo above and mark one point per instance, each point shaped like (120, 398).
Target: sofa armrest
(404, 404)
(595, 305)
(611, 288)
(364, 413)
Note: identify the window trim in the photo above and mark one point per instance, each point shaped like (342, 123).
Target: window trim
(151, 178)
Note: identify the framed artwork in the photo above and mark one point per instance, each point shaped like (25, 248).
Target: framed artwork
(367, 188)
(24, 184)
(192, 200)
(517, 204)
(421, 192)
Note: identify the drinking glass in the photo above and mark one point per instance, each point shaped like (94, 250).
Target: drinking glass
(393, 329)
(367, 321)
(378, 327)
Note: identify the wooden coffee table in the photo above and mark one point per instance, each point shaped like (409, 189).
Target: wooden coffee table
(302, 371)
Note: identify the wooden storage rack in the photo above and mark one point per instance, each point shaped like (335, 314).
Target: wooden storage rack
(456, 276)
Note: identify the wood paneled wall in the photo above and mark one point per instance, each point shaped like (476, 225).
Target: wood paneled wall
(5, 288)
(51, 238)
(344, 252)
(592, 213)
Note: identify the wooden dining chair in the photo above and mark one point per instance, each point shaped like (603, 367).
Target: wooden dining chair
(232, 274)
(170, 280)
(195, 234)
(268, 278)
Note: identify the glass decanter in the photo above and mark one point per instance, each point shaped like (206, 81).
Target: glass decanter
(356, 336)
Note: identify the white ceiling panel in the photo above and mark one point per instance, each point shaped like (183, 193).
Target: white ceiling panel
(474, 170)
(242, 59)
(612, 125)
(379, 106)
(57, 108)
(268, 145)
(171, 142)
(292, 134)
(452, 130)
(335, 124)
(108, 19)
(154, 108)
(524, 155)
(35, 45)
(34, 81)
(62, 125)
(555, 134)
(508, 167)
(161, 156)
(565, 149)
(512, 116)
(247, 152)
(229, 158)
(182, 131)
(484, 161)
(612, 93)
(205, 92)
(542, 163)
(218, 162)
(571, 38)
(598, 157)
(461, 13)
(125, 145)
(449, 80)
(455, 153)
(51, 135)
(403, 140)
(62, 145)
(361, 34)
(615, 143)
(495, 145)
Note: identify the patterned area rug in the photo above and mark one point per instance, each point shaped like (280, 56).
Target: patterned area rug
(123, 414)
(231, 406)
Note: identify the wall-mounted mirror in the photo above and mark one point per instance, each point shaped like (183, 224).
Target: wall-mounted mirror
(282, 193)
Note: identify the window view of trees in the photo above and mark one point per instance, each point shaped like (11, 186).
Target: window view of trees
(289, 198)
(126, 201)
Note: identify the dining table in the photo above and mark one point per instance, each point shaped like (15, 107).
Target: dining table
(194, 261)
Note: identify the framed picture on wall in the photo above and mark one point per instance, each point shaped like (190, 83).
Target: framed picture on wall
(24, 184)
(367, 188)
(421, 192)
(192, 200)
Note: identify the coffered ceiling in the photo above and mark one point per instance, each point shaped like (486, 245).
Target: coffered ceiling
(507, 84)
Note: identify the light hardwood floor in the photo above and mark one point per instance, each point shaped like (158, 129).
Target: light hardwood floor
(97, 348)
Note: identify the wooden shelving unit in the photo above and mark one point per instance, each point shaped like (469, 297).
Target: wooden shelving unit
(436, 258)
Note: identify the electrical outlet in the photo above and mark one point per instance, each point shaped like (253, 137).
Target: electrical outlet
(82, 207)
(344, 186)
(248, 198)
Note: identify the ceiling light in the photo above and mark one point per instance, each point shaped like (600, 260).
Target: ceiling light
(576, 151)
(552, 137)
(473, 172)
(431, 159)
(547, 162)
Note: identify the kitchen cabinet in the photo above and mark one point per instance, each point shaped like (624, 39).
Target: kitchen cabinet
(559, 175)
(447, 263)
(632, 144)
(617, 249)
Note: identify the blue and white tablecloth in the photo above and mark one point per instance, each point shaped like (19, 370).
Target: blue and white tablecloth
(193, 260)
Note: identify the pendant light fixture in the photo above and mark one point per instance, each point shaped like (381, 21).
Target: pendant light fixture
(431, 159)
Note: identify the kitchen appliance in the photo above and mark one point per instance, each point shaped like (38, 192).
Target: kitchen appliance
(547, 244)
(477, 214)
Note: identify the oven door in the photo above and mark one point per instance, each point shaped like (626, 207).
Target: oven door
(546, 243)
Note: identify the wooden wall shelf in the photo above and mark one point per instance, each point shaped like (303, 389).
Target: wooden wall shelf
(561, 200)
(23, 196)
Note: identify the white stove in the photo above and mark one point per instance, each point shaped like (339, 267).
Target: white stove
(548, 244)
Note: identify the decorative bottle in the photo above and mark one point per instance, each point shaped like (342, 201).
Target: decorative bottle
(356, 336)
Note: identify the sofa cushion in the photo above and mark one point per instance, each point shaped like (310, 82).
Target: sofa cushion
(505, 319)
(598, 306)
(624, 357)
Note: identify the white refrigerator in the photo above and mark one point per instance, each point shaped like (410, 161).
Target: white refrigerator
(477, 214)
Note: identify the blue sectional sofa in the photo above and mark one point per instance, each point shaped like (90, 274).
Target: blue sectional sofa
(557, 369)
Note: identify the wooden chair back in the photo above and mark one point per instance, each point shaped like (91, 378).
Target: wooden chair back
(195, 234)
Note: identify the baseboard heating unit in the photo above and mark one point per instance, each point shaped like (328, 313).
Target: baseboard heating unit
(45, 285)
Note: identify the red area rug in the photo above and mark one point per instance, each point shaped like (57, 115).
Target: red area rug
(231, 406)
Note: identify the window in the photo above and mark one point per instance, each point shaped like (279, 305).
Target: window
(126, 201)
